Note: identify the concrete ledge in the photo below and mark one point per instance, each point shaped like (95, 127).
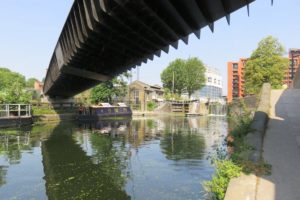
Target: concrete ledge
(15, 121)
(259, 123)
(242, 188)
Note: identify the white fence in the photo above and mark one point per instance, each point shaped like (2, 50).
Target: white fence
(15, 110)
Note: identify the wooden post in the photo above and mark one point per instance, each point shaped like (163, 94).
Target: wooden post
(19, 110)
(7, 109)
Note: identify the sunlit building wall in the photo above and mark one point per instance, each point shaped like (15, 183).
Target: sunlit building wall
(213, 86)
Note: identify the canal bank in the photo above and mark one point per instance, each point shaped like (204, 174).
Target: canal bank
(246, 186)
(6, 122)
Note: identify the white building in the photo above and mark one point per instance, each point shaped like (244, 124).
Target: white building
(213, 86)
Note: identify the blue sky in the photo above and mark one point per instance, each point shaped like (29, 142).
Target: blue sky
(29, 31)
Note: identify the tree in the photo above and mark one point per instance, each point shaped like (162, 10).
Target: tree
(186, 75)
(16, 94)
(102, 92)
(30, 82)
(8, 78)
(12, 86)
(174, 74)
(194, 78)
(109, 90)
(266, 64)
(84, 98)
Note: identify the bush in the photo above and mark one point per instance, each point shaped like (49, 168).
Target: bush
(151, 106)
(225, 170)
(45, 111)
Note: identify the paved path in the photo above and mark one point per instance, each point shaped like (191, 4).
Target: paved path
(282, 148)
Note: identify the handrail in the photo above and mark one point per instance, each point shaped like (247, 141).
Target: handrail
(15, 110)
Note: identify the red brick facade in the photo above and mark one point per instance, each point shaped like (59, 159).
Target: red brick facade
(235, 79)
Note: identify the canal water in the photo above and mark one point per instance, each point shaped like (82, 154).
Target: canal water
(146, 158)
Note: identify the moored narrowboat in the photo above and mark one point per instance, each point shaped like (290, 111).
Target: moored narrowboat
(104, 110)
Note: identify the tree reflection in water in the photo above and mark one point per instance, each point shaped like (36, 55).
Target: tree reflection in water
(3, 172)
(12, 143)
(71, 174)
(182, 145)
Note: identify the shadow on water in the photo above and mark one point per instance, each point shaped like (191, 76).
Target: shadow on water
(158, 158)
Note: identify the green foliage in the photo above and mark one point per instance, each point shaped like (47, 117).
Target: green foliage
(15, 94)
(30, 82)
(187, 75)
(12, 87)
(242, 150)
(151, 105)
(8, 78)
(102, 92)
(194, 75)
(84, 98)
(170, 96)
(109, 90)
(36, 95)
(266, 64)
(182, 144)
(174, 72)
(243, 126)
(225, 170)
(46, 111)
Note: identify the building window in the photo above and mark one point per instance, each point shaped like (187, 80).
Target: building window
(235, 66)
(135, 94)
(209, 79)
(215, 80)
(219, 82)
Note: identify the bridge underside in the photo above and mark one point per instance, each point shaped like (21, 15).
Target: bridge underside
(103, 38)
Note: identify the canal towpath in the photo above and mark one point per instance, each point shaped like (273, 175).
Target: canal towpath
(282, 148)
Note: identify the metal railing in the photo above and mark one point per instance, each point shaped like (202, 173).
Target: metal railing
(15, 110)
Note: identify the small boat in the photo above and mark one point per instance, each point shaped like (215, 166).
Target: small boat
(103, 110)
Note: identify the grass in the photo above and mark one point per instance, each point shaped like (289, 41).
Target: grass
(48, 111)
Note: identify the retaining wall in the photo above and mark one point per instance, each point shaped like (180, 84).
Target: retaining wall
(244, 187)
(15, 121)
(54, 117)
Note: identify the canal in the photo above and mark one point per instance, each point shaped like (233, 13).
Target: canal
(140, 158)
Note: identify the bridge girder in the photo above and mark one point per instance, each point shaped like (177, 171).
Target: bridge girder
(103, 38)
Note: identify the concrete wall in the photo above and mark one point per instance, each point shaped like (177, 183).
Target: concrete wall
(15, 121)
(259, 123)
(244, 187)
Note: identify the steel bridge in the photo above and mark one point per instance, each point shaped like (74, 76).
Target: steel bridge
(103, 38)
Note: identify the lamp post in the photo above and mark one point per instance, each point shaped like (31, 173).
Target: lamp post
(145, 98)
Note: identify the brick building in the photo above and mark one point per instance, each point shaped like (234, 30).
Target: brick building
(294, 57)
(236, 81)
(236, 74)
(38, 86)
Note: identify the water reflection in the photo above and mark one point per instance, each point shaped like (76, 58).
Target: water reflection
(147, 158)
(21, 171)
(71, 174)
